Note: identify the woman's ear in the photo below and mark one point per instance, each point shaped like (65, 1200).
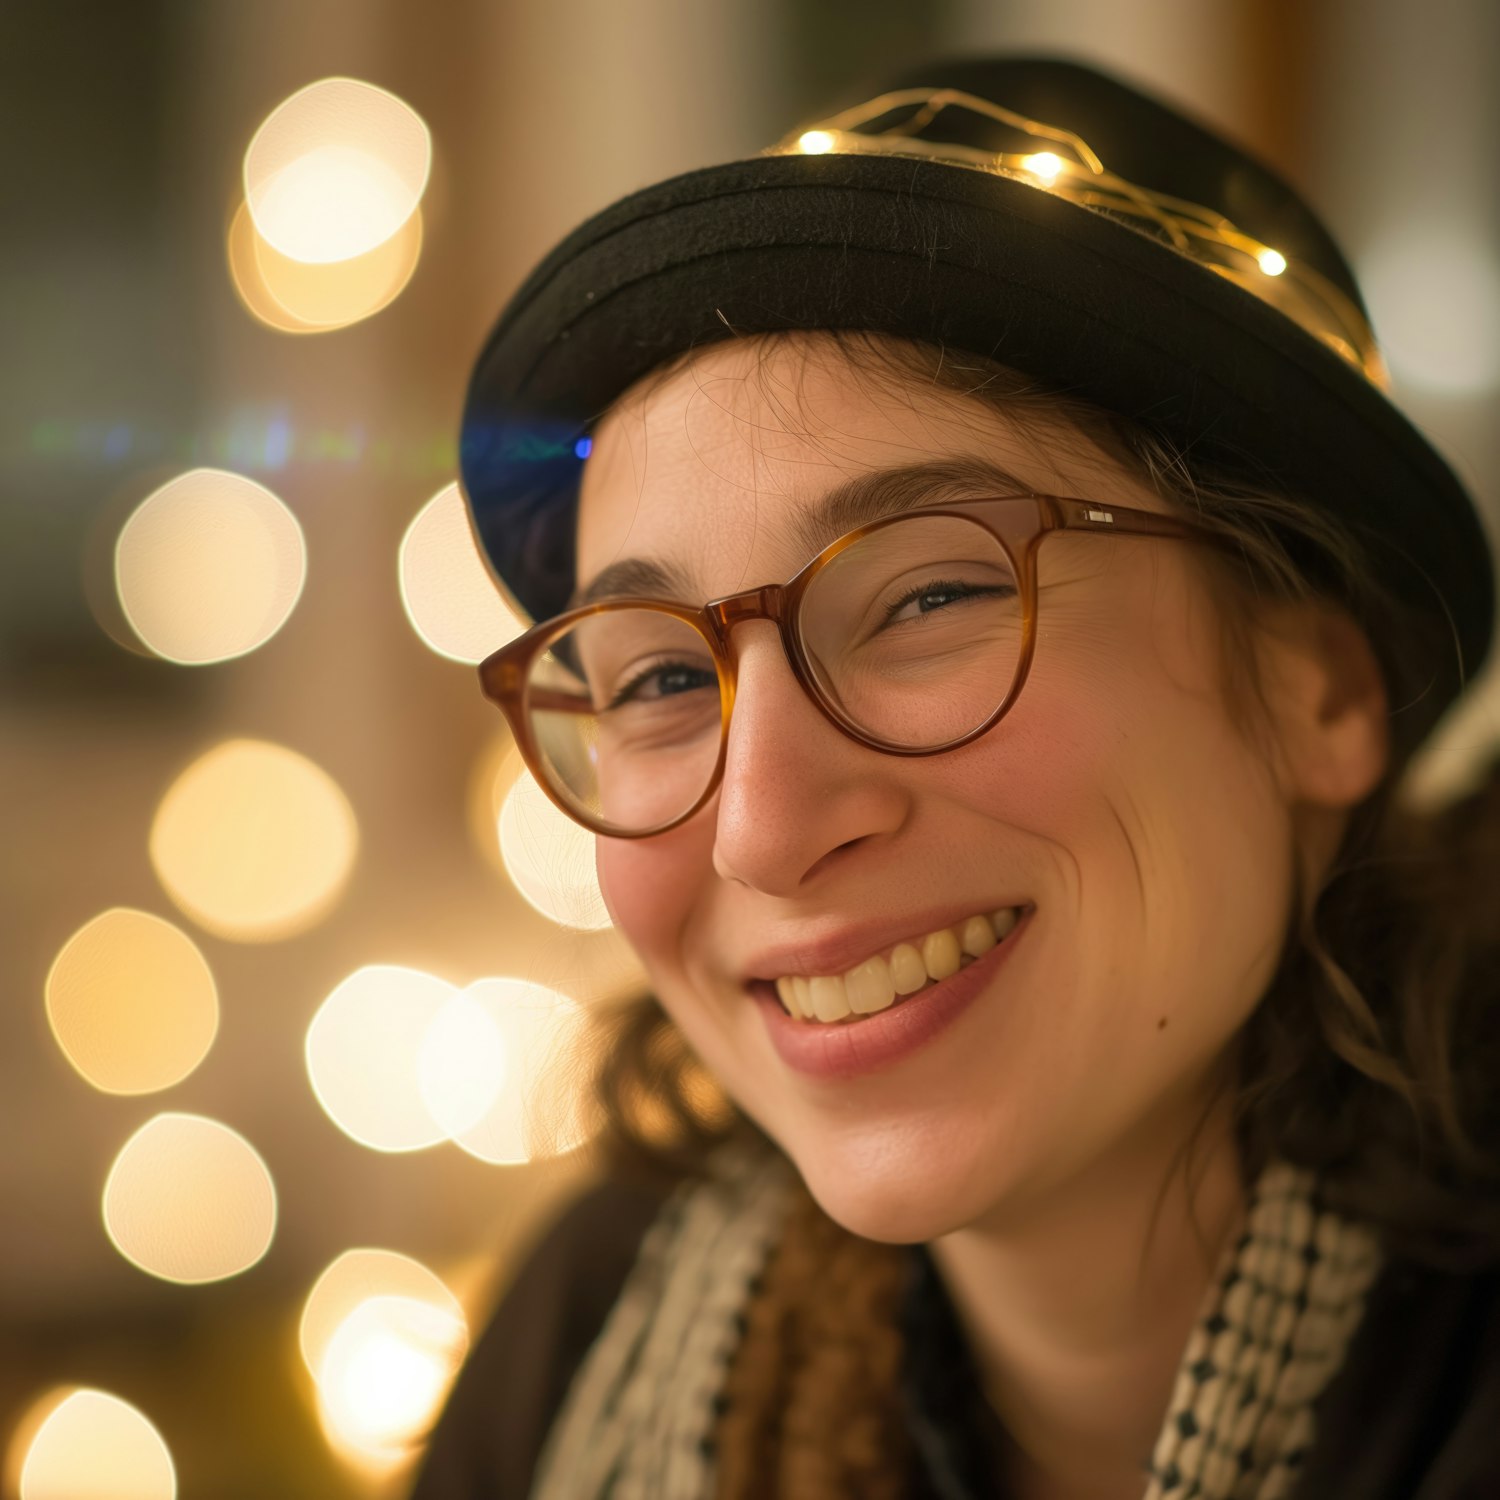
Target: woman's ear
(1331, 713)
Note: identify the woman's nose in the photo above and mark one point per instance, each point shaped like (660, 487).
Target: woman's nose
(797, 792)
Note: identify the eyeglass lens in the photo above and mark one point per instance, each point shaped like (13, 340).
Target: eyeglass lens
(913, 635)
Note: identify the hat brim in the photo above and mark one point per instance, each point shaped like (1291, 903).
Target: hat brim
(971, 261)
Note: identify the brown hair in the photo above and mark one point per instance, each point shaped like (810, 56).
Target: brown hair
(1372, 1057)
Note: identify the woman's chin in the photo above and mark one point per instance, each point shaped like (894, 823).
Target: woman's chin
(890, 1202)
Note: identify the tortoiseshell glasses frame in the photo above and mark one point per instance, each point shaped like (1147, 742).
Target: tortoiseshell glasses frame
(1019, 523)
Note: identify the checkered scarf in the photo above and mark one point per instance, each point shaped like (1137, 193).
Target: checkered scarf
(1275, 1324)
(638, 1419)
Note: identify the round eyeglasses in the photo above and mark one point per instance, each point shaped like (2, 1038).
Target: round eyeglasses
(913, 635)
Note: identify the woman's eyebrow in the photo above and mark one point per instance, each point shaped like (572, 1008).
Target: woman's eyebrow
(854, 503)
(868, 497)
(634, 577)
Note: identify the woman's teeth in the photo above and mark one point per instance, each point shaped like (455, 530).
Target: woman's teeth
(877, 983)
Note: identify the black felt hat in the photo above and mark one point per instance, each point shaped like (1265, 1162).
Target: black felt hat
(1031, 210)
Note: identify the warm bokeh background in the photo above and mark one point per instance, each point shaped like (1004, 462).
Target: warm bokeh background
(294, 813)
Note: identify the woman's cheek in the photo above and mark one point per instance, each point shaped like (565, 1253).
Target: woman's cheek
(648, 889)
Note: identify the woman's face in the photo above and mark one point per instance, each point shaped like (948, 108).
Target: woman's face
(1116, 797)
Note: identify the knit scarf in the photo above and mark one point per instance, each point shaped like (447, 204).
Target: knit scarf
(637, 1422)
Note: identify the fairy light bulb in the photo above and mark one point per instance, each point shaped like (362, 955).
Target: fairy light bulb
(815, 142)
(1044, 164)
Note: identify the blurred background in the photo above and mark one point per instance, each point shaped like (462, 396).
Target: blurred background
(285, 939)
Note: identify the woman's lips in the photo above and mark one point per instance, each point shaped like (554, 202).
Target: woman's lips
(837, 953)
(866, 1044)
(911, 965)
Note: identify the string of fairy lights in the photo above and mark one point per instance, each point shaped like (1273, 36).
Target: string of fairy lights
(253, 842)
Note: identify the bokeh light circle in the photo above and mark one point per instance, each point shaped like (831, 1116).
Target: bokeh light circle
(550, 858)
(335, 170)
(385, 1372)
(94, 1446)
(354, 1277)
(295, 297)
(604, 969)
(132, 1002)
(189, 1200)
(449, 596)
(254, 841)
(494, 773)
(1434, 295)
(463, 1064)
(503, 1071)
(362, 1049)
(209, 567)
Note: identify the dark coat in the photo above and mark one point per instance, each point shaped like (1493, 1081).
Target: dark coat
(1413, 1414)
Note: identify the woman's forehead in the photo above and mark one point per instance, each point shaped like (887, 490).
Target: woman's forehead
(711, 463)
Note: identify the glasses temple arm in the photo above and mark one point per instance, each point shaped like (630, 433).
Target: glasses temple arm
(1122, 520)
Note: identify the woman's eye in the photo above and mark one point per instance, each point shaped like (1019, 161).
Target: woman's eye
(663, 680)
(940, 594)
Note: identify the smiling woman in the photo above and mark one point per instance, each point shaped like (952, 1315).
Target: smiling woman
(1080, 1059)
